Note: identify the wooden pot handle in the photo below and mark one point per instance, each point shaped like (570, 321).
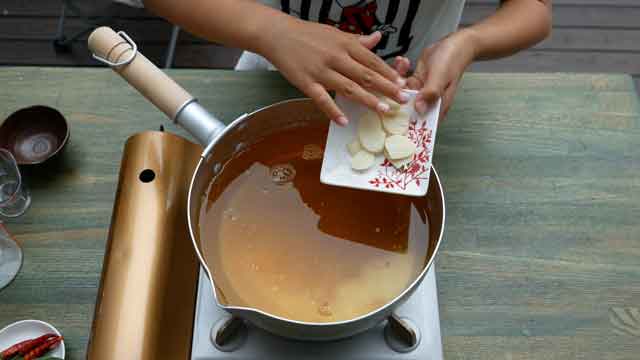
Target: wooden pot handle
(141, 73)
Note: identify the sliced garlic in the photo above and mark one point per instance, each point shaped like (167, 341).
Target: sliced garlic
(398, 163)
(393, 105)
(354, 147)
(396, 124)
(362, 160)
(399, 147)
(370, 133)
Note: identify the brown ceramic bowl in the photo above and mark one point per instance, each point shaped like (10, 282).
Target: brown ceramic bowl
(34, 134)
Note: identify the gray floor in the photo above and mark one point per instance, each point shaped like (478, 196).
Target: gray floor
(588, 36)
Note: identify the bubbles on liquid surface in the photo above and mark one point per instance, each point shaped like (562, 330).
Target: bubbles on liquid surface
(229, 213)
(324, 309)
(251, 229)
(312, 152)
(282, 173)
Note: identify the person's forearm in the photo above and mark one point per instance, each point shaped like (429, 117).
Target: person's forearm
(516, 25)
(235, 23)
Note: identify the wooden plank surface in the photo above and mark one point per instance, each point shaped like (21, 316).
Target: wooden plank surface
(43, 8)
(594, 3)
(588, 36)
(572, 15)
(562, 61)
(157, 32)
(187, 55)
(540, 258)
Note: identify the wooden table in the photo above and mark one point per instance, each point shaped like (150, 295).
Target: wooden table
(541, 257)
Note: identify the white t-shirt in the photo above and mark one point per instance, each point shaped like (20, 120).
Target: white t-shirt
(408, 26)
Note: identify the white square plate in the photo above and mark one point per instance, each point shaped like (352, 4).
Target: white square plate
(413, 180)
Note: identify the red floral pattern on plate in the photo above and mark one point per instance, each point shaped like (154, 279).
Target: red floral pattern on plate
(417, 170)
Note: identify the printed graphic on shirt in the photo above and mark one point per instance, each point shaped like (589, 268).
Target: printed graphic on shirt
(363, 17)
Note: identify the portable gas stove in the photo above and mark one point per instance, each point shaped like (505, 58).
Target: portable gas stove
(412, 333)
(150, 260)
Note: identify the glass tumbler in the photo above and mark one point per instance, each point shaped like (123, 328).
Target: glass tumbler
(10, 257)
(14, 195)
(14, 201)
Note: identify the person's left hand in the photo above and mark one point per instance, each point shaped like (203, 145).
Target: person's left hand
(439, 70)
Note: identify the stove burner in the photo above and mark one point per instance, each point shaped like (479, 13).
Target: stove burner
(401, 334)
(228, 333)
(389, 340)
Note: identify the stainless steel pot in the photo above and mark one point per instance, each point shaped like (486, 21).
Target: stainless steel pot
(221, 143)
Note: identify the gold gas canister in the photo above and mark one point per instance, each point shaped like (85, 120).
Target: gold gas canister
(146, 301)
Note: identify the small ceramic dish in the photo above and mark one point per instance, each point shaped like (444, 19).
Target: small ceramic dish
(29, 329)
(34, 134)
(412, 180)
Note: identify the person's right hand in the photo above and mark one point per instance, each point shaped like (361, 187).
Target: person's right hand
(317, 58)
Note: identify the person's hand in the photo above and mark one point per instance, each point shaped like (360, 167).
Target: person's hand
(438, 71)
(317, 58)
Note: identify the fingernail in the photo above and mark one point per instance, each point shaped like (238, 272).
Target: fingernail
(403, 97)
(342, 120)
(383, 107)
(401, 82)
(421, 107)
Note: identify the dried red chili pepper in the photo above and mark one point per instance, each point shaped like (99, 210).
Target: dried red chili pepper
(24, 346)
(50, 344)
(13, 349)
(35, 343)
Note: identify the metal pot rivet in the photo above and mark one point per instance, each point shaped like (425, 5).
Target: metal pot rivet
(239, 146)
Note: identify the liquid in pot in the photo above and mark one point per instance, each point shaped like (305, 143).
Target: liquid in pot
(278, 240)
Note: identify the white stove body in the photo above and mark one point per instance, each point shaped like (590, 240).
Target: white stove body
(421, 309)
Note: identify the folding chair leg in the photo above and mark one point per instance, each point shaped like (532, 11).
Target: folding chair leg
(172, 47)
(59, 43)
(62, 43)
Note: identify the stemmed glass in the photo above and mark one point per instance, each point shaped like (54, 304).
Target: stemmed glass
(14, 201)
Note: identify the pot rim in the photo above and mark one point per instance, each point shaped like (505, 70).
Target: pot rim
(203, 264)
